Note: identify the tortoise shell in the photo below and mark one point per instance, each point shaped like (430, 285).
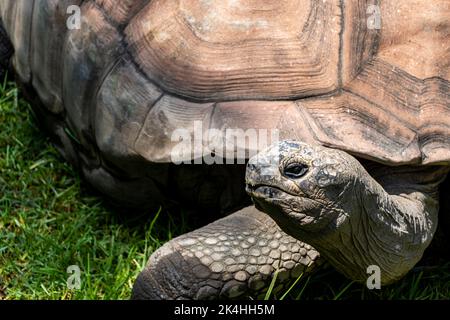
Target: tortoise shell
(368, 77)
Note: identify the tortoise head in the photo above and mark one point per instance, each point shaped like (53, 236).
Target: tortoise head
(302, 185)
(326, 198)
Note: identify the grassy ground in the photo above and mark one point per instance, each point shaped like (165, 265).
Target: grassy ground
(50, 220)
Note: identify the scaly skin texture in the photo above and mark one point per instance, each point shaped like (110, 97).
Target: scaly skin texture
(235, 257)
(327, 198)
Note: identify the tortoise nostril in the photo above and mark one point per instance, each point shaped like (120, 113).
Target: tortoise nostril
(295, 170)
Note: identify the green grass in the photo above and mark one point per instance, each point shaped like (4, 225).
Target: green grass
(50, 220)
(422, 283)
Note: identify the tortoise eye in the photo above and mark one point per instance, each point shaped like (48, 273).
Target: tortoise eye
(295, 170)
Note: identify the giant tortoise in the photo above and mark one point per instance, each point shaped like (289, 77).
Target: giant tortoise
(343, 107)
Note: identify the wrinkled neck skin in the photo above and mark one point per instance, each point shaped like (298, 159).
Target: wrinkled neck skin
(387, 223)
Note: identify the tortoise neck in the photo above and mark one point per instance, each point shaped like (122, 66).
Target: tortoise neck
(389, 222)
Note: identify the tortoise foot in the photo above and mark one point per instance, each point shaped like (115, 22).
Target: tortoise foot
(235, 257)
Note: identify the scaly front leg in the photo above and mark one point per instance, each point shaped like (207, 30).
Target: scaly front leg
(235, 257)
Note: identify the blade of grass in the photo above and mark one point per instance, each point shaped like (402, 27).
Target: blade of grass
(342, 291)
(303, 289)
(272, 284)
(292, 286)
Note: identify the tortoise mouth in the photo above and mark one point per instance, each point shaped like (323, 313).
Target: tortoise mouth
(262, 191)
(265, 190)
(293, 210)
